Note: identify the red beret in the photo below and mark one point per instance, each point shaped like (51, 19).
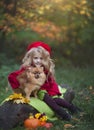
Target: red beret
(37, 44)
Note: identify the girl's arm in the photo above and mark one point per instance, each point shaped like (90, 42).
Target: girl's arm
(12, 78)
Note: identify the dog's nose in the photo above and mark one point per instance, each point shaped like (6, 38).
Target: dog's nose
(36, 76)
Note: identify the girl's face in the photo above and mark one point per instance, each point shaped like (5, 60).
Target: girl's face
(37, 59)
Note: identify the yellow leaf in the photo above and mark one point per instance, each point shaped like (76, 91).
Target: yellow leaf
(17, 101)
(82, 12)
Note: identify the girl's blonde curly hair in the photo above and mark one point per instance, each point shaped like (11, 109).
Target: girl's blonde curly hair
(47, 61)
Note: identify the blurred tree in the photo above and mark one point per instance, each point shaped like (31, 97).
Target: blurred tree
(69, 23)
(10, 6)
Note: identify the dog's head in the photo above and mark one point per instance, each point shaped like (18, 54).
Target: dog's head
(35, 72)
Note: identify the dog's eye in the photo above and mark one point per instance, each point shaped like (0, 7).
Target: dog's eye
(35, 72)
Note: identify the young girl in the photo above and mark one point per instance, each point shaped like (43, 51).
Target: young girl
(39, 54)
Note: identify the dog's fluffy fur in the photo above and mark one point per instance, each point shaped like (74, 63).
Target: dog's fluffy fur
(31, 80)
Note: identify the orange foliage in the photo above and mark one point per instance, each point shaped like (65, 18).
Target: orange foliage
(46, 29)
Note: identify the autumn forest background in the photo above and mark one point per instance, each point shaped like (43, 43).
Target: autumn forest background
(68, 27)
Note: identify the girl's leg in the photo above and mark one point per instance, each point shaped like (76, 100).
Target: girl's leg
(69, 95)
(72, 108)
(55, 107)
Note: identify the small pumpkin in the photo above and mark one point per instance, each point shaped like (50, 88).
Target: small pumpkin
(31, 123)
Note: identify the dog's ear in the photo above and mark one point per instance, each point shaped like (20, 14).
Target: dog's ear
(29, 68)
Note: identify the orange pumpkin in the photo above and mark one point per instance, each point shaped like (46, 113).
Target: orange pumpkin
(31, 123)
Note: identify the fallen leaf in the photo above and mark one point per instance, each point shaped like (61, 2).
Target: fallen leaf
(68, 126)
(87, 98)
(82, 114)
(7, 89)
(90, 87)
(75, 119)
